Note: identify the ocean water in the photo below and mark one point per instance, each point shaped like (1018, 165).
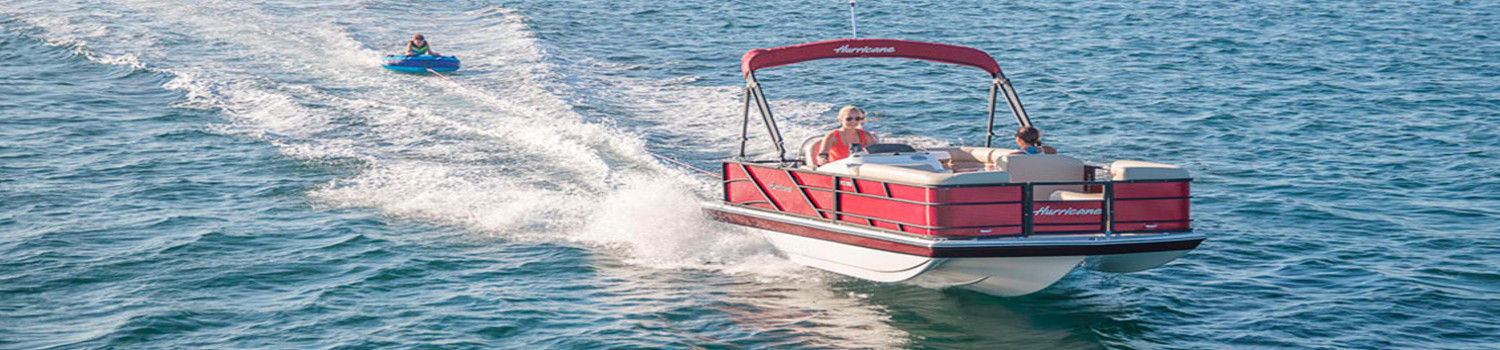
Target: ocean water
(234, 174)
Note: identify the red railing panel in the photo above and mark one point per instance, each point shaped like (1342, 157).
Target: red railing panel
(744, 191)
(1151, 209)
(821, 199)
(886, 209)
(871, 187)
(911, 193)
(975, 215)
(1129, 190)
(783, 190)
(814, 180)
(999, 193)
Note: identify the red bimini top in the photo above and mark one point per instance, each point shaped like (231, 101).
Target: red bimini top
(861, 48)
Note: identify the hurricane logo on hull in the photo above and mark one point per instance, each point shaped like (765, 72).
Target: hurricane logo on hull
(780, 188)
(1047, 210)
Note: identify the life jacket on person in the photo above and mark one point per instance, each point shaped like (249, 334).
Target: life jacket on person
(413, 50)
(1033, 149)
(839, 150)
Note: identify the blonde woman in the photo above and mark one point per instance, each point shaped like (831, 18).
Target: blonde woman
(837, 144)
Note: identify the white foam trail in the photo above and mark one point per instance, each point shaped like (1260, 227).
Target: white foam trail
(505, 156)
(660, 222)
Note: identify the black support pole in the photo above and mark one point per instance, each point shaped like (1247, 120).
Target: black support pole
(769, 121)
(1014, 102)
(989, 129)
(745, 126)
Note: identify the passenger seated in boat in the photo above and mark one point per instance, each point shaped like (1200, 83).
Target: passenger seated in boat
(837, 144)
(1030, 140)
(418, 47)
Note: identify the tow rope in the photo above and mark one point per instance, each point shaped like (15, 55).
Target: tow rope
(674, 161)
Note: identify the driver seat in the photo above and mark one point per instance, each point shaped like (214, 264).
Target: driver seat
(810, 147)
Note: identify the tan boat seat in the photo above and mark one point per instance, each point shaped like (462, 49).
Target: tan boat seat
(1065, 195)
(1044, 168)
(809, 149)
(973, 157)
(1122, 170)
(904, 175)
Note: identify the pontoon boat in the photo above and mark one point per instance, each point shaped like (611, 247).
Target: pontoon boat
(981, 218)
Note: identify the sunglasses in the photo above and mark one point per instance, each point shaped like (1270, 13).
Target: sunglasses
(854, 118)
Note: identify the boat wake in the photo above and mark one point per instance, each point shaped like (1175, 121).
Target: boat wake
(526, 146)
(506, 153)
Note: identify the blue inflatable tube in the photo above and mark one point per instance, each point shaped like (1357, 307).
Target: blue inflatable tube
(420, 63)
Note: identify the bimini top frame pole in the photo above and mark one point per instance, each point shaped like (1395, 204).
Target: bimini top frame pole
(753, 94)
(869, 48)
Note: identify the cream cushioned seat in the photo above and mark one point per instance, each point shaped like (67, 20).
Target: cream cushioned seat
(986, 154)
(1065, 195)
(809, 146)
(1122, 170)
(973, 158)
(1044, 168)
(904, 175)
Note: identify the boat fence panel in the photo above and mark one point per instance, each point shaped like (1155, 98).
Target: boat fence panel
(969, 211)
(740, 189)
(823, 201)
(784, 192)
(1151, 206)
(1068, 216)
(976, 194)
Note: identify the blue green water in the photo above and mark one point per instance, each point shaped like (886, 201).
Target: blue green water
(227, 174)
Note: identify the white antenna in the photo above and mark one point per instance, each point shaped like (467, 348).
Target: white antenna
(853, 25)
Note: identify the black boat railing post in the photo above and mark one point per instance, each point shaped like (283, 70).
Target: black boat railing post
(1026, 219)
(838, 204)
(1109, 208)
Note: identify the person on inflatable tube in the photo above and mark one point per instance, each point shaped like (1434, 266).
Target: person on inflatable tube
(418, 47)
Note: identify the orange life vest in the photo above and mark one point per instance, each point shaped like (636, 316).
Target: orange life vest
(839, 150)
